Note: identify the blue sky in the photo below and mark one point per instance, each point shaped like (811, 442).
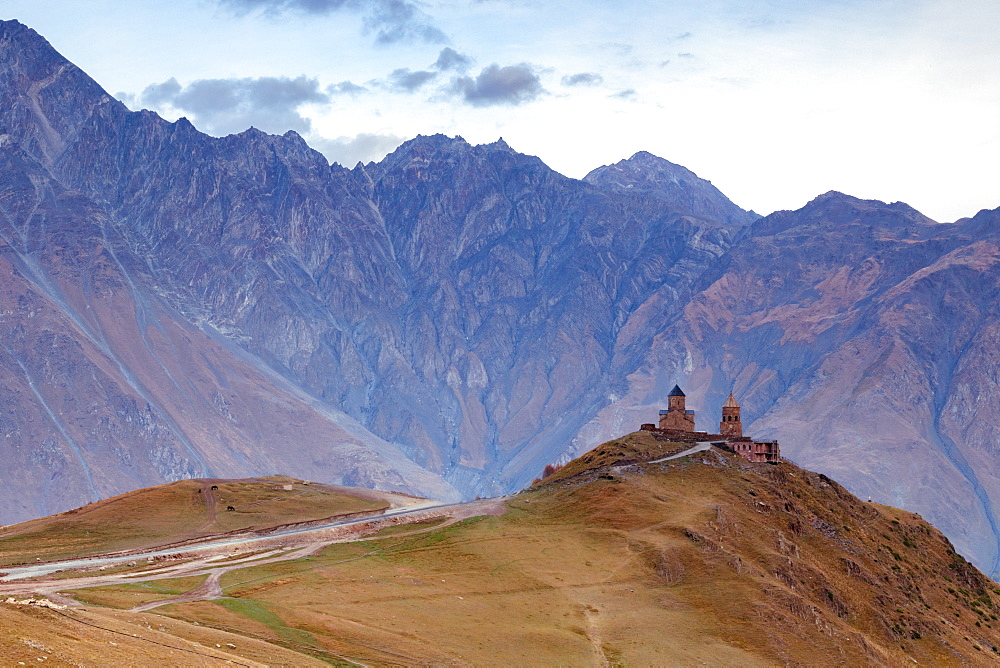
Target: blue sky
(775, 101)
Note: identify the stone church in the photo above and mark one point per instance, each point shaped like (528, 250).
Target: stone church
(678, 421)
(676, 417)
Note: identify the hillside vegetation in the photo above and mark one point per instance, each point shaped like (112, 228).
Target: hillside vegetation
(614, 561)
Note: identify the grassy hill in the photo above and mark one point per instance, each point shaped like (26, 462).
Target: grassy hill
(177, 511)
(612, 561)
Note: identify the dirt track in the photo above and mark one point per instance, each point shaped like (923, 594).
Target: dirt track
(204, 558)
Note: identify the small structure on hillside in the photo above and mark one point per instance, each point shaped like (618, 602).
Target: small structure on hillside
(756, 451)
(678, 422)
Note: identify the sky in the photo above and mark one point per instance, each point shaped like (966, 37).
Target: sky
(774, 101)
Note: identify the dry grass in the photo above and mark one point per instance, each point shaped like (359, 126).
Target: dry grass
(158, 515)
(129, 520)
(126, 596)
(703, 559)
(641, 446)
(97, 637)
(408, 528)
(610, 561)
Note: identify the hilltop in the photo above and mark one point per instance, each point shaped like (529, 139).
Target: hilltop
(186, 510)
(611, 560)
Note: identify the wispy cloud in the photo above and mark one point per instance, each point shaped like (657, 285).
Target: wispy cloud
(583, 79)
(225, 106)
(405, 80)
(450, 59)
(365, 147)
(399, 21)
(389, 20)
(345, 88)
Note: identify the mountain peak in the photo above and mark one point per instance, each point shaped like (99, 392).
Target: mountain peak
(652, 175)
(53, 97)
(839, 210)
(27, 52)
(647, 158)
(839, 204)
(502, 145)
(15, 29)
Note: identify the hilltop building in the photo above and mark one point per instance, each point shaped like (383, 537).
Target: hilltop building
(678, 422)
(676, 417)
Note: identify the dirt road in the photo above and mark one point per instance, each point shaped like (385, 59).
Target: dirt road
(215, 557)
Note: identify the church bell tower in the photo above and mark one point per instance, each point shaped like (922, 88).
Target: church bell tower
(731, 425)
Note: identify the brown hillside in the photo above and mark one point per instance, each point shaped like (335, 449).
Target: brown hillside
(613, 561)
(182, 510)
(787, 562)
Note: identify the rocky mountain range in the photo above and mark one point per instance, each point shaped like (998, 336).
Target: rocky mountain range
(452, 318)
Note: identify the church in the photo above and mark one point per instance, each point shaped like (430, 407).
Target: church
(676, 417)
(677, 421)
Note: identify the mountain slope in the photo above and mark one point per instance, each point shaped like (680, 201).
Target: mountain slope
(525, 295)
(465, 303)
(109, 388)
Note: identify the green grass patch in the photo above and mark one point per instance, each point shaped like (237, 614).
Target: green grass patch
(259, 612)
(253, 577)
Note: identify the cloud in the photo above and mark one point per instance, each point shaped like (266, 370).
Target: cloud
(406, 80)
(390, 20)
(278, 6)
(582, 79)
(495, 85)
(349, 151)
(345, 88)
(159, 94)
(400, 21)
(128, 99)
(226, 106)
(627, 94)
(450, 59)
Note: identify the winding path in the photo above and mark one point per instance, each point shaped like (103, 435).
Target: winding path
(206, 558)
(250, 540)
